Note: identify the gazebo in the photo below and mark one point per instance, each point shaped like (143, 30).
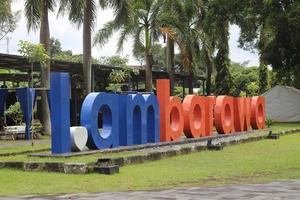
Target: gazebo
(100, 74)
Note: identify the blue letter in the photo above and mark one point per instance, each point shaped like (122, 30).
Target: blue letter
(151, 117)
(107, 105)
(136, 129)
(60, 113)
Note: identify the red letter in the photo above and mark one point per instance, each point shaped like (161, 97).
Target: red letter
(258, 115)
(210, 102)
(194, 116)
(242, 110)
(224, 115)
(171, 113)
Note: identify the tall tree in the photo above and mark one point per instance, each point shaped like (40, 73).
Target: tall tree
(142, 23)
(219, 15)
(173, 7)
(222, 63)
(8, 19)
(36, 13)
(185, 21)
(263, 77)
(84, 12)
(273, 28)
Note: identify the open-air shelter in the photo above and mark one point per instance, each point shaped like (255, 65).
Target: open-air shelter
(100, 74)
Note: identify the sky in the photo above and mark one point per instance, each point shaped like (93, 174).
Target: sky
(71, 37)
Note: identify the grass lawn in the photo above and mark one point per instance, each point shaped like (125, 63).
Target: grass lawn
(28, 147)
(277, 127)
(261, 161)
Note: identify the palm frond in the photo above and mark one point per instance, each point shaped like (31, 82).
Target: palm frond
(33, 13)
(103, 35)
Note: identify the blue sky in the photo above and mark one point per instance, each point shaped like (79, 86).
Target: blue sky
(71, 38)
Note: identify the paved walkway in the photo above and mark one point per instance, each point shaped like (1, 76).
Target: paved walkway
(276, 190)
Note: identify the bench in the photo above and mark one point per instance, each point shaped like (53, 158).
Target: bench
(14, 131)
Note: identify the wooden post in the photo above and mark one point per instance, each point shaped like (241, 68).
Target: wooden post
(203, 81)
(183, 88)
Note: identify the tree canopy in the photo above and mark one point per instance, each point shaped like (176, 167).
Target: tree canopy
(8, 19)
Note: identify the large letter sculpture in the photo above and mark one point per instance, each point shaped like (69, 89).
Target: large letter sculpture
(107, 105)
(60, 113)
(141, 119)
(242, 111)
(135, 129)
(194, 116)
(171, 113)
(151, 118)
(258, 114)
(224, 118)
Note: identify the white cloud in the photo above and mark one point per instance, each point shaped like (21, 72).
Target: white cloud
(71, 37)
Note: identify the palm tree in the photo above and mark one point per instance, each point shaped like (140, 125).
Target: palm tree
(172, 6)
(36, 13)
(84, 12)
(143, 23)
(187, 26)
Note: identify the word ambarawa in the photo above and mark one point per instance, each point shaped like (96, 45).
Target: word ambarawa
(133, 119)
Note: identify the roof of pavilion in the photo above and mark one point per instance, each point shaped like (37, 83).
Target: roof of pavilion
(16, 62)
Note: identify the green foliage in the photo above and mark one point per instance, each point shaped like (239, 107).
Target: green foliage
(217, 21)
(272, 27)
(245, 80)
(252, 89)
(35, 53)
(269, 122)
(223, 77)
(243, 94)
(263, 78)
(141, 23)
(34, 12)
(178, 91)
(70, 57)
(118, 76)
(14, 112)
(55, 47)
(8, 19)
(116, 61)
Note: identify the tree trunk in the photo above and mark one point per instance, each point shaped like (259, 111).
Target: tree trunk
(191, 78)
(170, 63)
(148, 72)
(209, 67)
(43, 106)
(87, 47)
(148, 60)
